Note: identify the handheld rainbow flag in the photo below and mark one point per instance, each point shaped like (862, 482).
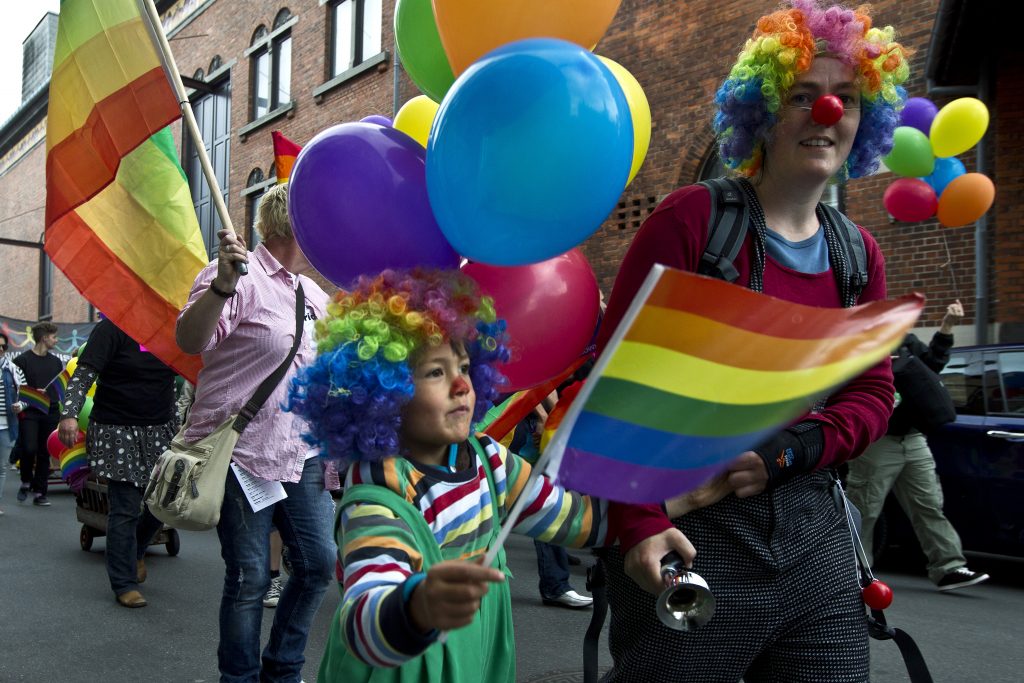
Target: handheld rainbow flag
(120, 223)
(700, 371)
(37, 399)
(285, 153)
(59, 385)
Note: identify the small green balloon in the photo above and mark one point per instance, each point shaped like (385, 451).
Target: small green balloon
(78, 351)
(911, 155)
(420, 49)
(83, 414)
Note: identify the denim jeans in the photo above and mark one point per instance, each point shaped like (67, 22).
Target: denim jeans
(553, 568)
(130, 528)
(304, 520)
(6, 444)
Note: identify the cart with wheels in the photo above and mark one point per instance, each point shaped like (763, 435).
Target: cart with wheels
(92, 508)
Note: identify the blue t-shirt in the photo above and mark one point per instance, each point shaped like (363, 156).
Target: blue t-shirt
(806, 256)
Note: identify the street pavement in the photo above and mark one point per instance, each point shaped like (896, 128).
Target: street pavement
(59, 621)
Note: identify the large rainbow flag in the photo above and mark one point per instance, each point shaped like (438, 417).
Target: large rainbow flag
(119, 217)
(700, 371)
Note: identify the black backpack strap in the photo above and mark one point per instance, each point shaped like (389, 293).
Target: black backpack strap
(917, 669)
(597, 585)
(727, 228)
(263, 391)
(853, 245)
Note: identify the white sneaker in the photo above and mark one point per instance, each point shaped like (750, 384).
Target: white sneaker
(274, 592)
(570, 599)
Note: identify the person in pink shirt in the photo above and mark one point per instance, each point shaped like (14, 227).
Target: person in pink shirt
(244, 327)
(813, 96)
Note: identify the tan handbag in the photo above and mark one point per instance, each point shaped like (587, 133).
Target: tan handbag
(186, 486)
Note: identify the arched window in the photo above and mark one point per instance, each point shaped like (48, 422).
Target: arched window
(282, 16)
(215, 63)
(255, 177)
(199, 75)
(271, 66)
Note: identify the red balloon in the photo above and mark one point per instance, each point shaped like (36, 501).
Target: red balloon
(551, 308)
(827, 110)
(877, 595)
(910, 200)
(53, 445)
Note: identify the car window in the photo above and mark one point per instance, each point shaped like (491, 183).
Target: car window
(962, 377)
(1011, 383)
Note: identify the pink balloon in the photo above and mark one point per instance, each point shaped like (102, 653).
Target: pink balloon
(53, 445)
(910, 200)
(551, 308)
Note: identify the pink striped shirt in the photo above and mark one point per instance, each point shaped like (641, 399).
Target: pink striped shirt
(255, 332)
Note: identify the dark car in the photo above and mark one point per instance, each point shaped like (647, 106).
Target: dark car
(979, 457)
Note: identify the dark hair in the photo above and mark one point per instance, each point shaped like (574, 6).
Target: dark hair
(7, 340)
(40, 330)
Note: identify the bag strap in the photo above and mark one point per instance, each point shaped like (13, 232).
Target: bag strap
(853, 245)
(727, 228)
(263, 391)
(597, 585)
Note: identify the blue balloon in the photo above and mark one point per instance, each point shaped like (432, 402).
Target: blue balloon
(945, 171)
(529, 152)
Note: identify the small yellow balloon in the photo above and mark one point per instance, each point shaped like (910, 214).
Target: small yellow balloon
(416, 117)
(640, 111)
(72, 364)
(92, 390)
(958, 126)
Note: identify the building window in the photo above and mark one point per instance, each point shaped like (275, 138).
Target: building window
(271, 59)
(45, 286)
(356, 33)
(256, 186)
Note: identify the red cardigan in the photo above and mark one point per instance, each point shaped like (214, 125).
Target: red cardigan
(675, 235)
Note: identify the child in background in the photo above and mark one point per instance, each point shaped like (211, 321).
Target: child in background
(406, 366)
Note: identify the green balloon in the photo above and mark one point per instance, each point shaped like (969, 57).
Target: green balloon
(420, 49)
(911, 154)
(83, 414)
(78, 351)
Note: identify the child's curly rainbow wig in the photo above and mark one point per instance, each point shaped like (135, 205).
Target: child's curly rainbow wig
(783, 46)
(368, 345)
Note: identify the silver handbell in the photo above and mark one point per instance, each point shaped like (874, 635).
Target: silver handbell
(686, 604)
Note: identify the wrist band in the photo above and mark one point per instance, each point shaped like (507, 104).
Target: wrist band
(219, 292)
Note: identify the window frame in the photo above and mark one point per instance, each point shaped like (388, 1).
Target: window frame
(359, 55)
(270, 44)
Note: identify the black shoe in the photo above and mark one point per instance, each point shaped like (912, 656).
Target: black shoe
(961, 578)
(42, 501)
(574, 561)
(23, 494)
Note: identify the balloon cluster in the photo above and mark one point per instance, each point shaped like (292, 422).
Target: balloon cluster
(935, 182)
(516, 152)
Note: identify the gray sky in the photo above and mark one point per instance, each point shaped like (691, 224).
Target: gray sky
(17, 20)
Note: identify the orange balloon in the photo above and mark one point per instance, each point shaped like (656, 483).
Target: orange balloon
(471, 28)
(965, 199)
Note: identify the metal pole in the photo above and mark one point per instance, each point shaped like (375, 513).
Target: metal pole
(156, 30)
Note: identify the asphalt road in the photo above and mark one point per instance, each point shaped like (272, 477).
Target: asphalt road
(59, 621)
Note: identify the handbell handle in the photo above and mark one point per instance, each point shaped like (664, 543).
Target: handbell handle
(671, 557)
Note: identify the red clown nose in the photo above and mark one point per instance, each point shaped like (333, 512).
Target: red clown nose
(827, 110)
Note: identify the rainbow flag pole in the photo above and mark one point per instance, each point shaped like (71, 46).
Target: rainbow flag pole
(699, 371)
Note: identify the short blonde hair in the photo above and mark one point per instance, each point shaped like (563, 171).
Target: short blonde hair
(272, 214)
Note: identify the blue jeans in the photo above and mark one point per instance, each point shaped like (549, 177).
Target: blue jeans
(304, 520)
(553, 568)
(6, 444)
(130, 528)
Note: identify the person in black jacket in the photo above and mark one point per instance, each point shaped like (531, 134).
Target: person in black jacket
(902, 462)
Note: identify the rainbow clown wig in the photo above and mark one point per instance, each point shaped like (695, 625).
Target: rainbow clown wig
(368, 345)
(783, 46)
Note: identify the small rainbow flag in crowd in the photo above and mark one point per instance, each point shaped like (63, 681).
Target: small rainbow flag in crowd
(120, 222)
(34, 398)
(74, 465)
(59, 385)
(700, 371)
(285, 152)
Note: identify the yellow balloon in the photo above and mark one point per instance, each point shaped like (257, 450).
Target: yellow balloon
(958, 126)
(415, 118)
(92, 390)
(639, 109)
(72, 364)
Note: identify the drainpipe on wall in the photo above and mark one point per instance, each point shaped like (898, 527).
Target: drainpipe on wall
(395, 95)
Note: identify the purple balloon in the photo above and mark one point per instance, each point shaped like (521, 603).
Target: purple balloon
(379, 120)
(357, 199)
(918, 113)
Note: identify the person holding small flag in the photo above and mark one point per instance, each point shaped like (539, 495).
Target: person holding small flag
(39, 411)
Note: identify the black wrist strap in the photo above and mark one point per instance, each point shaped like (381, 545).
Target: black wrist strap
(220, 292)
(792, 451)
(263, 391)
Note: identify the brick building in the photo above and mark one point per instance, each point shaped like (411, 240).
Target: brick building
(300, 66)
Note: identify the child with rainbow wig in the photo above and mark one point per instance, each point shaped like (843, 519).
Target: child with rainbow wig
(406, 365)
(813, 97)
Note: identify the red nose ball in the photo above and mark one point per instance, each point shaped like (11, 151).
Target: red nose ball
(877, 595)
(827, 110)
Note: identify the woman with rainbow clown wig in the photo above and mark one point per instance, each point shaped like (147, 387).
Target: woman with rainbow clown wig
(405, 366)
(813, 97)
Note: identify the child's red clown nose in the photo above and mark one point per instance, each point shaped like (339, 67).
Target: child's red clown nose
(460, 386)
(827, 110)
